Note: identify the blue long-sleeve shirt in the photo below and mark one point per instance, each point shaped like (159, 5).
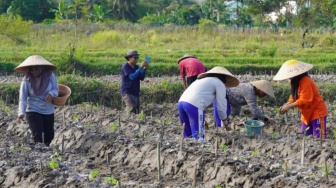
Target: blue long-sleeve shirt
(131, 77)
(29, 102)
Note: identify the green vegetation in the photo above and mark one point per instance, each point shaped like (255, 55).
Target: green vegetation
(93, 174)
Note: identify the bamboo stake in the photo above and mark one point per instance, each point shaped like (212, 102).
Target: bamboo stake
(159, 160)
(233, 142)
(303, 147)
(62, 149)
(286, 167)
(216, 147)
(194, 177)
(182, 137)
(28, 137)
(63, 119)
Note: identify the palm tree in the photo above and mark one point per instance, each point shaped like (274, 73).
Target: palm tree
(126, 8)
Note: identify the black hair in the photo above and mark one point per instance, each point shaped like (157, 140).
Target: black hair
(222, 77)
(295, 81)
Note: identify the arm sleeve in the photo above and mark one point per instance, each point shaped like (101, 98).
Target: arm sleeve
(136, 74)
(54, 91)
(221, 101)
(251, 100)
(305, 95)
(23, 98)
(143, 74)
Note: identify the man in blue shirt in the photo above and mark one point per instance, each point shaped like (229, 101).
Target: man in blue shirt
(130, 83)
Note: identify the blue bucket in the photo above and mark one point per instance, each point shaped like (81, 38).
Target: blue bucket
(253, 127)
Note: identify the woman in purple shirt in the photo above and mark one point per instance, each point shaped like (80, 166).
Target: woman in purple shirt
(38, 87)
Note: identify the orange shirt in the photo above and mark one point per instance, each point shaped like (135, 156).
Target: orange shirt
(309, 101)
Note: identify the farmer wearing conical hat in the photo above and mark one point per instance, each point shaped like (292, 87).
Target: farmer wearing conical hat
(305, 96)
(38, 87)
(246, 94)
(190, 67)
(131, 76)
(208, 87)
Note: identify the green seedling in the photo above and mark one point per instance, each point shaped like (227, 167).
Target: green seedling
(275, 134)
(223, 146)
(325, 170)
(112, 126)
(142, 115)
(255, 153)
(89, 125)
(53, 164)
(167, 121)
(93, 174)
(218, 186)
(111, 180)
(11, 149)
(75, 116)
(334, 133)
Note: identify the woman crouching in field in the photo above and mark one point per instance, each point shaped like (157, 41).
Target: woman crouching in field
(305, 96)
(208, 87)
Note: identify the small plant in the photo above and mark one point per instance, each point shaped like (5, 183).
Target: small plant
(112, 126)
(93, 174)
(111, 180)
(11, 148)
(142, 115)
(218, 186)
(334, 133)
(275, 134)
(223, 146)
(255, 153)
(53, 164)
(326, 170)
(75, 116)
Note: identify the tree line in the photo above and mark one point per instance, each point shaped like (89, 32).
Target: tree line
(239, 13)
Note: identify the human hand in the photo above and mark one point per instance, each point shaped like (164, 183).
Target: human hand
(270, 120)
(20, 118)
(283, 109)
(144, 64)
(226, 125)
(48, 98)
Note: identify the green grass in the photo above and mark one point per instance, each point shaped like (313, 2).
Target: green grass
(103, 51)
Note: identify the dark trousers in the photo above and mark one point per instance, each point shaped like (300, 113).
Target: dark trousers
(41, 123)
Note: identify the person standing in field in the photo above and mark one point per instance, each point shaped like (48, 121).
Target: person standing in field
(246, 94)
(131, 76)
(38, 87)
(189, 67)
(209, 86)
(305, 96)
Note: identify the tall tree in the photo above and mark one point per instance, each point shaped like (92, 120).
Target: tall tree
(126, 9)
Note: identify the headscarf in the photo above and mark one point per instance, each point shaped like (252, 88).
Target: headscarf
(38, 84)
(295, 81)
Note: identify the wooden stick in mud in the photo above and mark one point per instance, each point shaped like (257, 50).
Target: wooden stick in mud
(62, 148)
(285, 168)
(216, 147)
(159, 161)
(286, 118)
(119, 184)
(303, 147)
(63, 119)
(233, 143)
(182, 137)
(194, 177)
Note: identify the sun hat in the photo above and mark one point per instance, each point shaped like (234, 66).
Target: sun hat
(34, 60)
(265, 86)
(185, 57)
(63, 94)
(231, 81)
(131, 53)
(292, 68)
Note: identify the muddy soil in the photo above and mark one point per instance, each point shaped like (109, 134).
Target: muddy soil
(95, 143)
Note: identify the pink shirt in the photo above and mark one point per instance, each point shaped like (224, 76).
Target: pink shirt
(191, 67)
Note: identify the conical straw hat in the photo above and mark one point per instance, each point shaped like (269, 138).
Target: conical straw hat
(34, 60)
(292, 68)
(185, 57)
(231, 81)
(264, 86)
